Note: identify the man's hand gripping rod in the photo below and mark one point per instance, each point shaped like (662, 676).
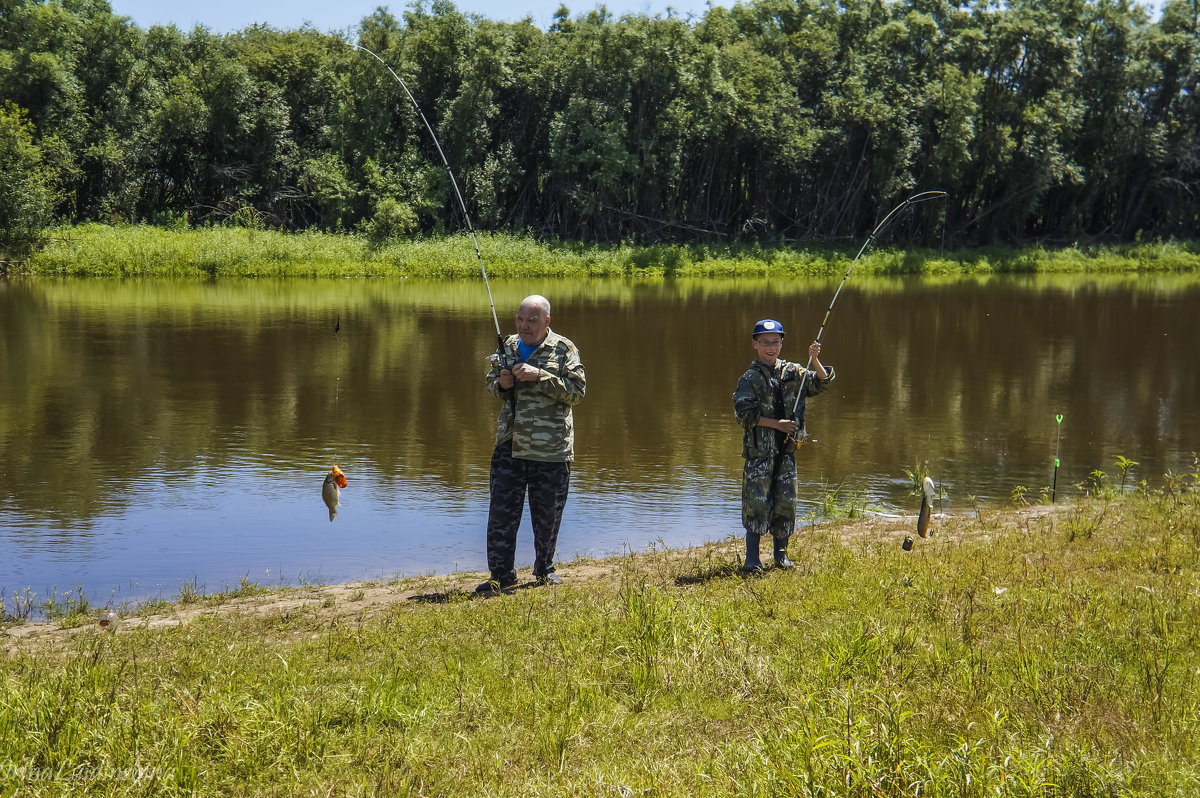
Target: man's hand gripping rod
(796, 438)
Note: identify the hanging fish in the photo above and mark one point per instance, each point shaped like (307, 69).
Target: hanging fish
(331, 490)
(927, 493)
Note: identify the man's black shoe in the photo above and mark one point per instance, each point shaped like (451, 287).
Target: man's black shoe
(549, 579)
(497, 584)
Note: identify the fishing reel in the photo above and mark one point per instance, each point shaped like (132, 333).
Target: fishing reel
(795, 440)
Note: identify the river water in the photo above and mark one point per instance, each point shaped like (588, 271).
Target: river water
(159, 434)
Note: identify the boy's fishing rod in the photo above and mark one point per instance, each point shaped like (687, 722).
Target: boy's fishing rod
(798, 436)
(457, 193)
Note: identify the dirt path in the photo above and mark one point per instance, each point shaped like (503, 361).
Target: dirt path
(356, 599)
(349, 599)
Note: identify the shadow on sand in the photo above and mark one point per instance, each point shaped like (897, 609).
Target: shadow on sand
(447, 596)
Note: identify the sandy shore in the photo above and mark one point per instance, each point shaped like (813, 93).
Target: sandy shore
(365, 599)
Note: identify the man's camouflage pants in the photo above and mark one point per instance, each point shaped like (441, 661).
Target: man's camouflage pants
(769, 507)
(547, 485)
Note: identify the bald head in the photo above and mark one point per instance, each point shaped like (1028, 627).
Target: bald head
(536, 302)
(533, 319)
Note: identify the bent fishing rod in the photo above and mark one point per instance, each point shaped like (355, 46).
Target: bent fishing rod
(798, 436)
(457, 193)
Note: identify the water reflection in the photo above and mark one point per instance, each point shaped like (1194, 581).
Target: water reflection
(153, 431)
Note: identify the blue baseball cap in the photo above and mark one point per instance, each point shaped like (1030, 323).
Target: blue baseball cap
(768, 326)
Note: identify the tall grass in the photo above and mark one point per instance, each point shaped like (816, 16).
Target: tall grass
(1007, 656)
(139, 250)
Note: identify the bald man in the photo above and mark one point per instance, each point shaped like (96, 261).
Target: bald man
(541, 380)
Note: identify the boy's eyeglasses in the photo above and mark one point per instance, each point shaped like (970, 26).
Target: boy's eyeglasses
(770, 344)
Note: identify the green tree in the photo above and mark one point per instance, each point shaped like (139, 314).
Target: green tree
(25, 199)
(327, 186)
(801, 119)
(1172, 200)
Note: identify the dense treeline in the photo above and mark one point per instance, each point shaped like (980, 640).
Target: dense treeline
(1054, 120)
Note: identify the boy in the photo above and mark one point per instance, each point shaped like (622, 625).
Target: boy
(763, 404)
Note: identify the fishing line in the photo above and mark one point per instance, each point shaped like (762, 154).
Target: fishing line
(457, 193)
(337, 383)
(335, 480)
(924, 196)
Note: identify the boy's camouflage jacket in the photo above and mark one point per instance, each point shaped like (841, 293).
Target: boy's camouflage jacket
(756, 397)
(537, 415)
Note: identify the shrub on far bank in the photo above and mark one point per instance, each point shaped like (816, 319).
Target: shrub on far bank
(381, 249)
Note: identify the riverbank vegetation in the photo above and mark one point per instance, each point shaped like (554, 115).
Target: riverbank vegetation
(768, 121)
(146, 251)
(1040, 652)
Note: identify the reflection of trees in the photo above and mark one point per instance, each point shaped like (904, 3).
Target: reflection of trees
(955, 373)
(952, 373)
(111, 384)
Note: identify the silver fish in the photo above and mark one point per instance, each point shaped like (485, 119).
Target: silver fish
(331, 494)
(927, 494)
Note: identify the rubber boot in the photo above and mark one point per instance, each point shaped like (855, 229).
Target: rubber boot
(781, 558)
(752, 562)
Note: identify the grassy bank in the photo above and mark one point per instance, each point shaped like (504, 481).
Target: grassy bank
(1029, 653)
(98, 250)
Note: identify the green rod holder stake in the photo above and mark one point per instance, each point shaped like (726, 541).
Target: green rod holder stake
(1054, 483)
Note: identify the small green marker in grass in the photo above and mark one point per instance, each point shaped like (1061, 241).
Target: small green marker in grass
(1057, 445)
